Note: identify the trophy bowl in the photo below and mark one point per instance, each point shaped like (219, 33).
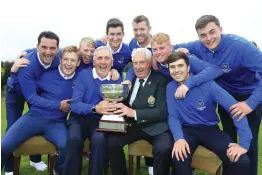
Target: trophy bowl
(114, 92)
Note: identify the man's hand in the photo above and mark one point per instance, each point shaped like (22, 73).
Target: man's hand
(105, 107)
(180, 149)
(235, 151)
(154, 64)
(114, 74)
(21, 55)
(103, 39)
(185, 50)
(21, 62)
(65, 106)
(241, 108)
(123, 110)
(181, 91)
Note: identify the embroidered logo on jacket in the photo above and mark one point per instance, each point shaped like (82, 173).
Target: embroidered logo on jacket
(225, 68)
(200, 105)
(151, 101)
(121, 60)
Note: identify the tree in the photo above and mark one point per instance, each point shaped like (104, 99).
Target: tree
(5, 72)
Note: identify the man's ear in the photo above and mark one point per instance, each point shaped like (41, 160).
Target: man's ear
(149, 28)
(37, 46)
(221, 29)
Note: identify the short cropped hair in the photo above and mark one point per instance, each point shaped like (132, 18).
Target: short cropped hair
(103, 48)
(71, 49)
(88, 40)
(204, 20)
(141, 18)
(160, 38)
(49, 35)
(175, 56)
(147, 53)
(114, 22)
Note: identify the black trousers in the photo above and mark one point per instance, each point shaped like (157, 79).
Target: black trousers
(215, 140)
(254, 121)
(162, 148)
(77, 133)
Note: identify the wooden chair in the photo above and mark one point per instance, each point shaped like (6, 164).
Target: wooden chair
(33, 146)
(87, 149)
(203, 159)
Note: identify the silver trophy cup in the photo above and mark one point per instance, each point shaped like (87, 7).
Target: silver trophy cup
(113, 93)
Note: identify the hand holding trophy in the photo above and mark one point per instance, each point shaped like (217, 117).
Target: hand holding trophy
(113, 93)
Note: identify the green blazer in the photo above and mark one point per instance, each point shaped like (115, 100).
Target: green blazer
(151, 108)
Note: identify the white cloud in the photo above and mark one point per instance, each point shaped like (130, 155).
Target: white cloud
(23, 20)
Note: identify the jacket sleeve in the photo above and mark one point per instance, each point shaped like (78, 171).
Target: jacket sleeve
(222, 97)
(252, 59)
(27, 81)
(173, 115)
(203, 72)
(77, 105)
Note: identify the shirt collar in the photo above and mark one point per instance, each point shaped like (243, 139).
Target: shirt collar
(44, 65)
(164, 65)
(96, 76)
(65, 76)
(118, 50)
(148, 46)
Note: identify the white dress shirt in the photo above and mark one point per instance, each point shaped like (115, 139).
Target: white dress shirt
(135, 89)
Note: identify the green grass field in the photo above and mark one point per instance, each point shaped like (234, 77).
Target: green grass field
(26, 169)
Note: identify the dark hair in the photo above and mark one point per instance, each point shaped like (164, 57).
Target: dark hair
(114, 22)
(204, 20)
(141, 18)
(175, 56)
(254, 43)
(49, 35)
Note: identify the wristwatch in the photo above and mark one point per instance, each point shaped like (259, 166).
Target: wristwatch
(94, 109)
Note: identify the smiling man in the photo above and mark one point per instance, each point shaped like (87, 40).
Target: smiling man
(121, 52)
(146, 112)
(193, 121)
(141, 29)
(87, 47)
(240, 61)
(54, 87)
(87, 108)
(21, 86)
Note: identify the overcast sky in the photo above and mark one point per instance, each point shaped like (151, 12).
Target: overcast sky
(21, 21)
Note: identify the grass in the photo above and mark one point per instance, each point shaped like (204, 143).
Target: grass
(26, 169)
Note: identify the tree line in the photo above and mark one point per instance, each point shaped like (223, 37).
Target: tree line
(5, 72)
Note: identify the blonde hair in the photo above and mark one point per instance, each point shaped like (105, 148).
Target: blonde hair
(71, 49)
(88, 40)
(160, 38)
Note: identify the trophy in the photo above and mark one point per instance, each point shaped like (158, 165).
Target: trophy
(113, 93)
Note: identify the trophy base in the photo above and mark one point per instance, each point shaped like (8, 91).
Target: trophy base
(112, 123)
